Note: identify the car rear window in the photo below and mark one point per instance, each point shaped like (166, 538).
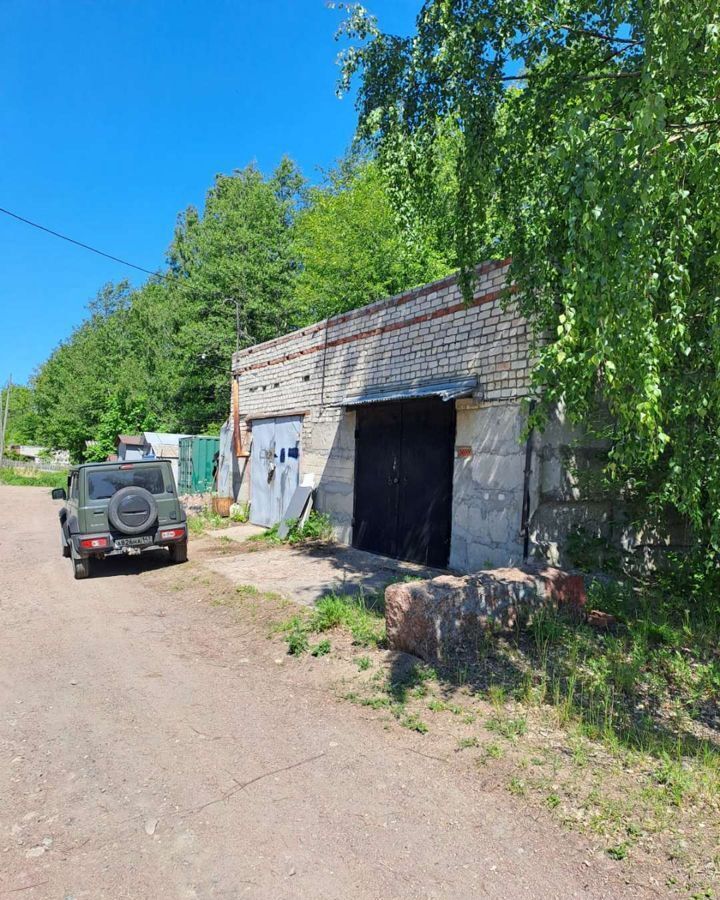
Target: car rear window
(102, 485)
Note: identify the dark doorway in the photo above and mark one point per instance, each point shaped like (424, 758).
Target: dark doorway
(403, 479)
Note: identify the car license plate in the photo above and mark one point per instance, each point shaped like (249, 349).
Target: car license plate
(133, 541)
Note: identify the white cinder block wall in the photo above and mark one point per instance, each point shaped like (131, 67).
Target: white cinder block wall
(420, 336)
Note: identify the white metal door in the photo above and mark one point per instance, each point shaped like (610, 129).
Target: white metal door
(287, 451)
(274, 467)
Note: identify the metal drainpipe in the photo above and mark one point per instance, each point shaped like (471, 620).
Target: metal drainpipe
(525, 521)
(324, 363)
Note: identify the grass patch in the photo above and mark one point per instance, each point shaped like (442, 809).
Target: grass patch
(651, 685)
(297, 640)
(240, 512)
(316, 528)
(509, 727)
(207, 520)
(414, 723)
(494, 751)
(26, 477)
(357, 615)
(321, 649)
(517, 787)
(249, 600)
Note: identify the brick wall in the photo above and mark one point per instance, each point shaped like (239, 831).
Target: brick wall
(421, 335)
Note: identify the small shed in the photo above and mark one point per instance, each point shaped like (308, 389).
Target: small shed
(163, 445)
(32, 452)
(129, 446)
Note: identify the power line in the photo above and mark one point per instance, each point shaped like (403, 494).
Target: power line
(70, 240)
(161, 275)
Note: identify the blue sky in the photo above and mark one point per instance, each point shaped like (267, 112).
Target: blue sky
(115, 115)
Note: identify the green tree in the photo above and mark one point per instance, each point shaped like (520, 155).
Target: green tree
(352, 247)
(589, 150)
(22, 423)
(121, 415)
(159, 356)
(232, 281)
(72, 388)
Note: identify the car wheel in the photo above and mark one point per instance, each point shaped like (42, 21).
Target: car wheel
(81, 566)
(178, 552)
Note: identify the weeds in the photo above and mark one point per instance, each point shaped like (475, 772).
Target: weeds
(642, 684)
(619, 851)
(510, 728)
(356, 615)
(317, 527)
(204, 521)
(297, 638)
(517, 787)
(321, 649)
(494, 751)
(414, 723)
(240, 512)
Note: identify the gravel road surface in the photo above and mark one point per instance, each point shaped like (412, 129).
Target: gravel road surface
(154, 747)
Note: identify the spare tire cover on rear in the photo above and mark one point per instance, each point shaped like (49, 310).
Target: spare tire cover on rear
(132, 510)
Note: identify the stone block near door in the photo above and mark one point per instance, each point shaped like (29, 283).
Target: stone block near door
(446, 617)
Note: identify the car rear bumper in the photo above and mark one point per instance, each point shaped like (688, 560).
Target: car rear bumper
(108, 544)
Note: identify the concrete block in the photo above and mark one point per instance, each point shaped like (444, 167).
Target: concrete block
(446, 617)
(482, 555)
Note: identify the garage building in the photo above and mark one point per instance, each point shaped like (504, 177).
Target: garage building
(408, 415)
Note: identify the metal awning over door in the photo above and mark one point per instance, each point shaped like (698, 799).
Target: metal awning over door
(447, 389)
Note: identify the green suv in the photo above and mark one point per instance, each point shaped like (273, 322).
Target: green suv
(120, 507)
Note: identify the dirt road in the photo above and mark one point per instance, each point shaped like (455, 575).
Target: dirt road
(153, 747)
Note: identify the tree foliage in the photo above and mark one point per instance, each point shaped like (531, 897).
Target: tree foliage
(74, 386)
(264, 256)
(22, 420)
(238, 251)
(353, 247)
(588, 148)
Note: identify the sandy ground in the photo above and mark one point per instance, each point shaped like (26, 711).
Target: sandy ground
(154, 746)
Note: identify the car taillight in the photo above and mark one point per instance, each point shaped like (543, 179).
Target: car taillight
(172, 533)
(94, 543)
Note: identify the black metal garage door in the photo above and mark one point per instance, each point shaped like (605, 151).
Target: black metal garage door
(403, 479)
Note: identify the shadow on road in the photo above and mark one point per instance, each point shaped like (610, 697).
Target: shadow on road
(114, 566)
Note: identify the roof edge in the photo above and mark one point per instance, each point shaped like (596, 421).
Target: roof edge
(368, 309)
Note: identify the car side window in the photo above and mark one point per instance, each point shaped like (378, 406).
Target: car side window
(74, 486)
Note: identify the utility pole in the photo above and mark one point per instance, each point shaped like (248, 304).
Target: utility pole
(237, 320)
(4, 413)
